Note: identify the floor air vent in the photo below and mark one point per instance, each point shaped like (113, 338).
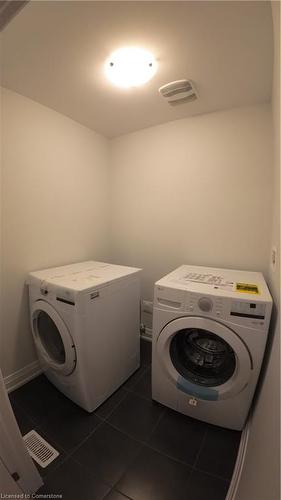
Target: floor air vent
(39, 449)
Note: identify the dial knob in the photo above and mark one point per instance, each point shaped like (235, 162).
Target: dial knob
(205, 304)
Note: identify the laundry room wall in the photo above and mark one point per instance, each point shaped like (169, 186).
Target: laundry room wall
(1, 158)
(260, 478)
(194, 191)
(55, 210)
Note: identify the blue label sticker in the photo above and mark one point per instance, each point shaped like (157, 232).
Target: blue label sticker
(197, 390)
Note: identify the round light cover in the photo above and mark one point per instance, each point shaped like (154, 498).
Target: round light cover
(130, 67)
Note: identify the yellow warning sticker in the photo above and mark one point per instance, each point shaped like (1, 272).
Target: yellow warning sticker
(247, 288)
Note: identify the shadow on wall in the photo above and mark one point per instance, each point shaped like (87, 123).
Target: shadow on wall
(23, 331)
(268, 350)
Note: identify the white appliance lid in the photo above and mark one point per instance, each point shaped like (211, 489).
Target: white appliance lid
(82, 275)
(217, 281)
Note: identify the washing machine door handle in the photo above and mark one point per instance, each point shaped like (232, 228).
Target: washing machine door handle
(238, 379)
(52, 338)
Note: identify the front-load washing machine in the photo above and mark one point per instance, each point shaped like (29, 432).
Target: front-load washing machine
(210, 328)
(85, 321)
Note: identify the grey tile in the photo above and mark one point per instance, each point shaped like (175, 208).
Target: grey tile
(155, 477)
(132, 381)
(178, 436)
(38, 398)
(143, 386)
(23, 420)
(111, 403)
(107, 453)
(219, 452)
(136, 416)
(110, 454)
(203, 486)
(115, 495)
(70, 425)
(73, 482)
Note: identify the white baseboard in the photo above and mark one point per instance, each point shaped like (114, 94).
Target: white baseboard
(233, 487)
(20, 377)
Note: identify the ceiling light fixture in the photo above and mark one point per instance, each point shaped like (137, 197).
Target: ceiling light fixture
(130, 67)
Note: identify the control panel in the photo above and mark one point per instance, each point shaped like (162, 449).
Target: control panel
(241, 312)
(243, 309)
(250, 313)
(209, 306)
(205, 304)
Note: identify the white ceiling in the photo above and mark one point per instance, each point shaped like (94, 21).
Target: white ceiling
(53, 52)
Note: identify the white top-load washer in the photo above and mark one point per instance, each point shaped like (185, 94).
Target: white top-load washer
(210, 328)
(85, 320)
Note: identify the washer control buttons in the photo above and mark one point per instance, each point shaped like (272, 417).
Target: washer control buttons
(205, 304)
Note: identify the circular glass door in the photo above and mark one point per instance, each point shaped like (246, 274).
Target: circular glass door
(49, 335)
(201, 353)
(202, 357)
(52, 338)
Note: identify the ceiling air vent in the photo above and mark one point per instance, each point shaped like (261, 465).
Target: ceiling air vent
(179, 92)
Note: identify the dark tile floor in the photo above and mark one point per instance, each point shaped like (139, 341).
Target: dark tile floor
(130, 447)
